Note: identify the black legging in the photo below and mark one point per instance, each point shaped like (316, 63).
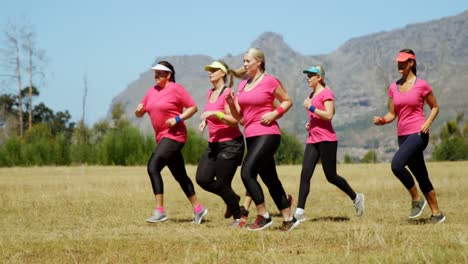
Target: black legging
(216, 170)
(411, 153)
(326, 151)
(260, 161)
(168, 152)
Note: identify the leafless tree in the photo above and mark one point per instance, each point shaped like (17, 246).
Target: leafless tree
(35, 57)
(12, 62)
(20, 46)
(85, 83)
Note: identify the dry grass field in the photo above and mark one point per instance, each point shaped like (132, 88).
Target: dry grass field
(97, 215)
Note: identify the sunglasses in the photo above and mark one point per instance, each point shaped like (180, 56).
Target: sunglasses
(310, 75)
(162, 73)
(213, 70)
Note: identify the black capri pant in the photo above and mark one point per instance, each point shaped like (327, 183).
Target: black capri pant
(217, 168)
(168, 153)
(411, 153)
(260, 161)
(326, 152)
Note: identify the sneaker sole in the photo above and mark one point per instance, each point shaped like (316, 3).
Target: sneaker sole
(301, 220)
(296, 224)
(263, 227)
(156, 221)
(201, 217)
(440, 221)
(420, 212)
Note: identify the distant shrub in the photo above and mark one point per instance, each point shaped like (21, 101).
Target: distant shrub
(194, 147)
(452, 141)
(290, 150)
(11, 152)
(370, 157)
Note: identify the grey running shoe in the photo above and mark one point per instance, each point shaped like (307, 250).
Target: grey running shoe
(417, 208)
(290, 225)
(261, 223)
(238, 223)
(437, 219)
(157, 217)
(359, 204)
(300, 217)
(198, 218)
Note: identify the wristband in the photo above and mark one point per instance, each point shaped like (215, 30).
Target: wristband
(219, 115)
(312, 108)
(177, 119)
(280, 110)
(382, 120)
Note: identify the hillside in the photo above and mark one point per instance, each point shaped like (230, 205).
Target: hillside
(359, 72)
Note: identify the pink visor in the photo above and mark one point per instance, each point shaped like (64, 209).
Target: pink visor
(403, 56)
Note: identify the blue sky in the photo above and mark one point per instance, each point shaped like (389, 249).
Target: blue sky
(113, 42)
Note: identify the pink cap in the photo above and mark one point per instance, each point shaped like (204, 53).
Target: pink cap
(403, 56)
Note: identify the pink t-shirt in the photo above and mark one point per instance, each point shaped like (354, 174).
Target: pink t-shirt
(164, 103)
(409, 106)
(255, 103)
(321, 130)
(218, 130)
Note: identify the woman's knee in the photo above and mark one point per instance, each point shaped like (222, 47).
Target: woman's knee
(247, 173)
(153, 172)
(397, 167)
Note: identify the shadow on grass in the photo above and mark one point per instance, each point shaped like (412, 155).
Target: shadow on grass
(418, 221)
(178, 221)
(322, 219)
(330, 219)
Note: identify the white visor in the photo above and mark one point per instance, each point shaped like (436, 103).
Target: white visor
(161, 67)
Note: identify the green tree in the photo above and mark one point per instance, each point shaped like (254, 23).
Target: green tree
(194, 147)
(452, 141)
(10, 152)
(118, 116)
(370, 157)
(347, 159)
(81, 148)
(38, 146)
(290, 150)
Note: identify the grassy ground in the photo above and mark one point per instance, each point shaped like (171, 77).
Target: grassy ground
(97, 214)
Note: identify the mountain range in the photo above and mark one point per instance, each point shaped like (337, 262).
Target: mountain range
(358, 72)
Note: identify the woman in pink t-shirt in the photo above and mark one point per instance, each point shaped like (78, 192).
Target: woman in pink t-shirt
(322, 142)
(165, 103)
(255, 105)
(225, 151)
(406, 101)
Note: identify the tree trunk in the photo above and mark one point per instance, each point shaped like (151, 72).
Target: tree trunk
(30, 87)
(20, 96)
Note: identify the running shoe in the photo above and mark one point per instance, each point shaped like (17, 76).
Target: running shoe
(156, 217)
(238, 223)
(300, 217)
(198, 218)
(437, 219)
(359, 204)
(290, 225)
(261, 223)
(417, 208)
